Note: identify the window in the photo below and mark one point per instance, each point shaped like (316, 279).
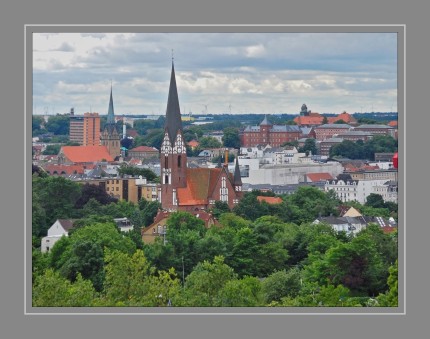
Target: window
(166, 162)
(179, 161)
(166, 179)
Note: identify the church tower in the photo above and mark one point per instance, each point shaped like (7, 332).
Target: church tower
(173, 156)
(110, 137)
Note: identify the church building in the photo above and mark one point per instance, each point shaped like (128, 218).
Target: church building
(190, 189)
(110, 137)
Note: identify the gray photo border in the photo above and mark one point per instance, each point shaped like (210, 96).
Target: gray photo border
(401, 34)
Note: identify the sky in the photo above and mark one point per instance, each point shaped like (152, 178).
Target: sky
(264, 73)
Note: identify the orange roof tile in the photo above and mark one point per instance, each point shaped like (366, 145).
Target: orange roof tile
(193, 143)
(269, 200)
(200, 185)
(393, 123)
(319, 176)
(86, 153)
(311, 120)
(348, 118)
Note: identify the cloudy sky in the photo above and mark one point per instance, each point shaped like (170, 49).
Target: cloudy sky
(215, 72)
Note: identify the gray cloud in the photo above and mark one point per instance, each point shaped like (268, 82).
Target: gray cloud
(254, 72)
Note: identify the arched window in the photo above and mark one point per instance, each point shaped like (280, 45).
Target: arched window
(179, 161)
(166, 162)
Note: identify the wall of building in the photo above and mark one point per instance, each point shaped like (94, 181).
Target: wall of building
(289, 174)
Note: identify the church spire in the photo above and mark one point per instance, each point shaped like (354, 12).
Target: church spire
(237, 180)
(173, 113)
(110, 116)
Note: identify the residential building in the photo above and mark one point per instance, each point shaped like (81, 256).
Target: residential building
(59, 228)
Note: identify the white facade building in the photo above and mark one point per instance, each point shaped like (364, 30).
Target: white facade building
(58, 229)
(288, 174)
(359, 190)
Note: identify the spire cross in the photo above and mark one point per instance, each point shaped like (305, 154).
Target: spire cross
(172, 56)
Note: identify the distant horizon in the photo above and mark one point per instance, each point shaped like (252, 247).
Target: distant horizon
(209, 114)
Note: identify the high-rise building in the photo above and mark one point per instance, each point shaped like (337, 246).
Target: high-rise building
(85, 129)
(91, 129)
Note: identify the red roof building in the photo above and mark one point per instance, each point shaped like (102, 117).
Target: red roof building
(314, 177)
(184, 188)
(55, 169)
(83, 154)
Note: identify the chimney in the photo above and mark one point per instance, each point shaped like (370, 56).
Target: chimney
(226, 157)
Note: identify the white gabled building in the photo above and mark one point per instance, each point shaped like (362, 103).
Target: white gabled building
(359, 190)
(58, 229)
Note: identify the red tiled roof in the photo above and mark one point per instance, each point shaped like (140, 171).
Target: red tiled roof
(388, 229)
(348, 118)
(269, 200)
(67, 169)
(311, 120)
(144, 149)
(86, 153)
(200, 184)
(393, 123)
(319, 176)
(193, 143)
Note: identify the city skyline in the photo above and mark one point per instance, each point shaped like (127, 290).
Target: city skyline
(264, 73)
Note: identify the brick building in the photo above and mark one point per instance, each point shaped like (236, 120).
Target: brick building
(268, 134)
(328, 131)
(185, 188)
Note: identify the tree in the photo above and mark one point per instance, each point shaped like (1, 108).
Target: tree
(245, 292)
(391, 297)
(281, 284)
(231, 137)
(37, 125)
(57, 196)
(126, 169)
(375, 201)
(86, 258)
(209, 142)
(324, 120)
(340, 121)
(52, 290)
(204, 284)
(52, 149)
(219, 208)
(96, 192)
(309, 146)
(58, 124)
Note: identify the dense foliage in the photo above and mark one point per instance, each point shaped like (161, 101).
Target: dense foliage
(258, 254)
